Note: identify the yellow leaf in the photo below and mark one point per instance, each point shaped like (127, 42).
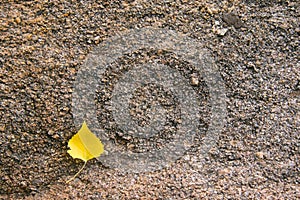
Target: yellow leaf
(85, 146)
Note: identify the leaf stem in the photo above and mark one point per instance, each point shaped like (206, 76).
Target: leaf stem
(77, 173)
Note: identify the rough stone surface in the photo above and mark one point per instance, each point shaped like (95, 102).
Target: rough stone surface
(43, 44)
